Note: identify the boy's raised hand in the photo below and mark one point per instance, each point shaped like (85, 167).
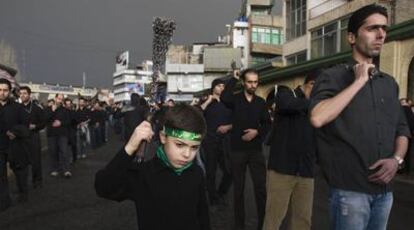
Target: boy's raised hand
(143, 132)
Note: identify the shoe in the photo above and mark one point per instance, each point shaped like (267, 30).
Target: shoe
(67, 174)
(54, 174)
(83, 156)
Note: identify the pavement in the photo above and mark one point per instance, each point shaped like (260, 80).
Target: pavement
(73, 205)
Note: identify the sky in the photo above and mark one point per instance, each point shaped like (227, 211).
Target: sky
(57, 40)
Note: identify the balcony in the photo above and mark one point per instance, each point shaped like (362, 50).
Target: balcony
(267, 48)
(324, 7)
(260, 2)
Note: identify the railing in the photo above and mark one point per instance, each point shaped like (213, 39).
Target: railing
(325, 6)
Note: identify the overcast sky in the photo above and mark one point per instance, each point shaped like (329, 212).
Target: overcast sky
(57, 40)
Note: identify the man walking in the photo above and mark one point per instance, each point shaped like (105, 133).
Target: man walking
(291, 160)
(361, 131)
(36, 123)
(250, 124)
(216, 144)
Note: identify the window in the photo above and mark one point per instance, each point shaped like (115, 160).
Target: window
(329, 39)
(267, 35)
(296, 58)
(296, 18)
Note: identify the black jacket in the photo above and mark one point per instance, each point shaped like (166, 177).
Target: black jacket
(292, 145)
(12, 114)
(246, 115)
(163, 200)
(133, 116)
(36, 116)
(63, 116)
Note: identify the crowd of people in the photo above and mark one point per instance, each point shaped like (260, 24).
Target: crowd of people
(347, 119)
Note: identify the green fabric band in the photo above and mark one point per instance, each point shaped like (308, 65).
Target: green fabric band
(164, 159)
(182, 134)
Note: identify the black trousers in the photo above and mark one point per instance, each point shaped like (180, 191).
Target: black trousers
(5, 199)
(240, 160)
(36, 158)
(216, 153)
(72, 143)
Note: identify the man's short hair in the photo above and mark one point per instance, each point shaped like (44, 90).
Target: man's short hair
(358, 17)
(248, 71)
(27, 88)
(5, 82)
(82, 98)
(185, 117)
(67, 99)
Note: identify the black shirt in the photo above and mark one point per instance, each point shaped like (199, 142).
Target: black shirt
(163, 200)
(82, 115)
(292, 149)
(36, 116)
(11, 115)
(363, 133)
(61, 114)
(216, 114)
(246, 115)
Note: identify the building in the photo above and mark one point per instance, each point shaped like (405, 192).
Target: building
(128, 79)
(318, 40)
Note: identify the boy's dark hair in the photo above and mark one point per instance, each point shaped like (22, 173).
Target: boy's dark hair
(185, 117)
(248, 71)
(359, 16)
(27, 88)
(67, 99)
(5, 82)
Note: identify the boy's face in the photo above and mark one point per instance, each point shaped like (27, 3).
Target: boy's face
(180, 152)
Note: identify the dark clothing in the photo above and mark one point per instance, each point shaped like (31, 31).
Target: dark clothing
(133, 116)
(257, 167)
(407, 158)
(163, 199)
(216, 114)
(363, 133)
(36, 116)
(83, 115)
(246, 115)
(292, 149)
(63, 116)
(11, 114)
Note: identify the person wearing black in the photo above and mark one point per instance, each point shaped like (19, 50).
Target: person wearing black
(361, 130)
(58, 122)
(36, 123)
(14, 130)
(291, 159)
(96, 123)
(82, 132)
(410, 121)
(250, 122)
(216, 145)
(168, 190)
(72, 128)
(133, 114)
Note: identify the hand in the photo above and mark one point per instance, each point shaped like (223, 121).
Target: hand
(249, 134)
(223, 129)
(56, 124)
(96, 125)
(10, 135)
(388, 168)
(143, 132)
(362, 72)
(32, 126)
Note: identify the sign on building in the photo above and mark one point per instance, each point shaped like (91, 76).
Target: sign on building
(122, 61)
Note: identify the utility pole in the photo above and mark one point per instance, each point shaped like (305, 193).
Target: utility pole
(84, 79)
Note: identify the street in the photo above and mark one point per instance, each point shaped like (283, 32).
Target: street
(72, 203)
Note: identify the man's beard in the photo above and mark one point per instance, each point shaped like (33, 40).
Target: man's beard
(251, 91)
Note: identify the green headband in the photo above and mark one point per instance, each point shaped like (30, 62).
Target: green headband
(182, 134)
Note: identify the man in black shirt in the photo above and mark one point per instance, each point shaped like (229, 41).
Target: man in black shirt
(250, 122)
(82, 133)
(72, 128)
(291, 159)
(361, 130)
(216, 144)
(36, 123)
(13, 129)
(58, 121)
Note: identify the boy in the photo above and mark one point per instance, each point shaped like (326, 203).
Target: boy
(168, 190)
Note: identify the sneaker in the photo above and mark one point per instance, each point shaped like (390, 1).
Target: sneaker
(54, 174)
(67, 174)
